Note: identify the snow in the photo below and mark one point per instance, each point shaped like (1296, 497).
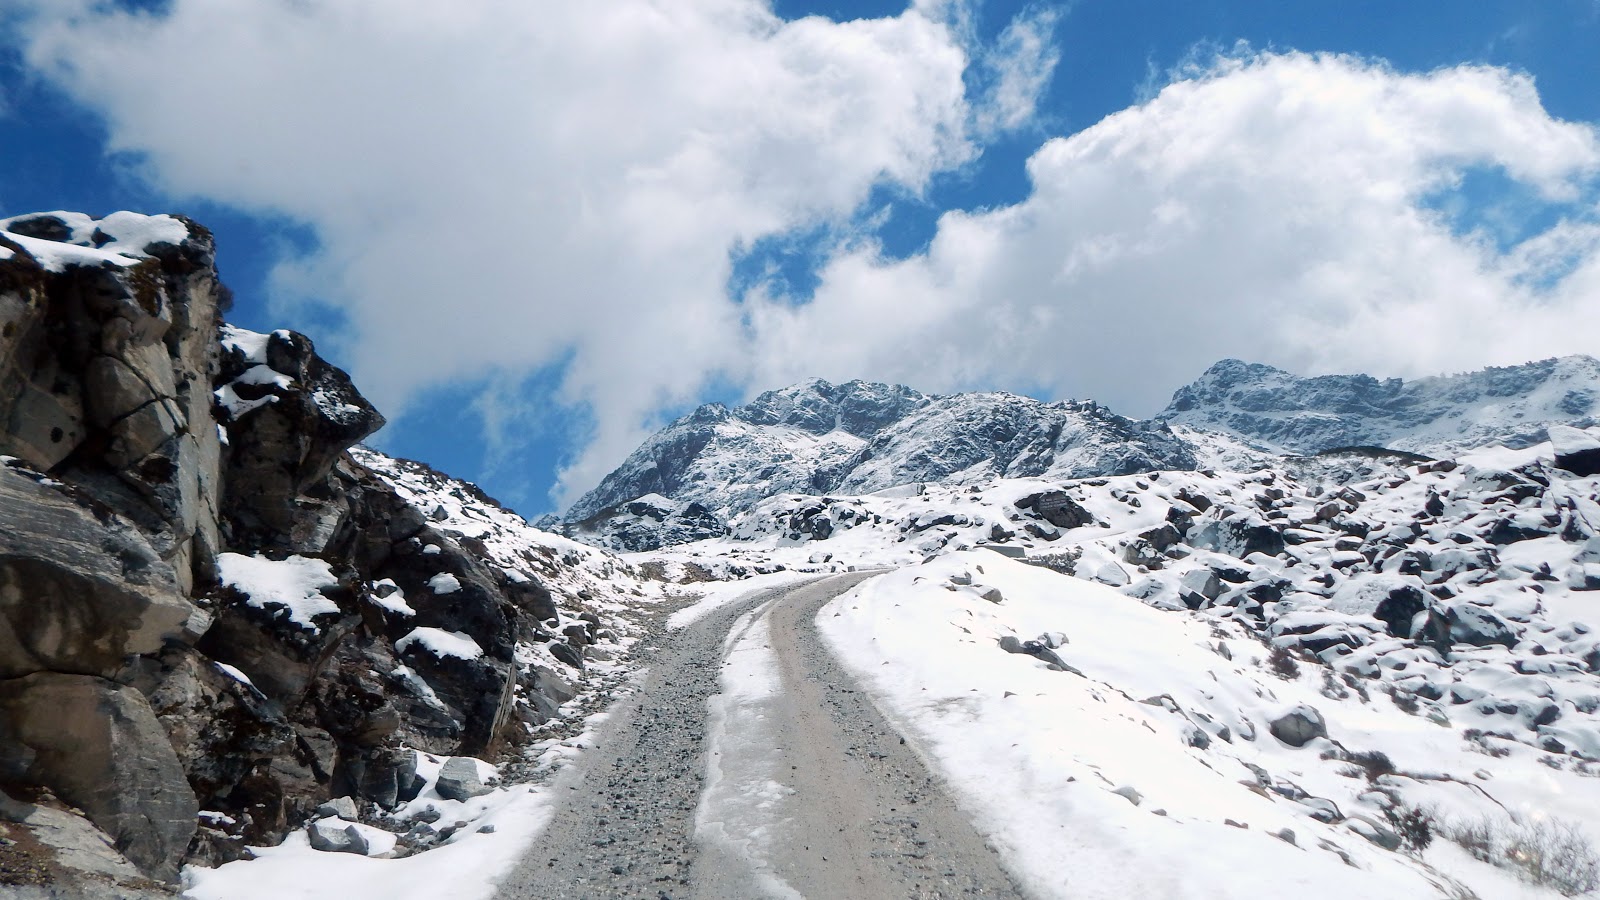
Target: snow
(1037, 755)
(444, 583)
(388, 595)
(1568, 440)
(466, 868)
(124, 238)
(293, 584)
(742, 791)
(720, 594)
(441, 643)
(233, 673)
(252, 345)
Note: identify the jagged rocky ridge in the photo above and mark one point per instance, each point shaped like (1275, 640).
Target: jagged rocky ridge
(687, 480)
(216, 613)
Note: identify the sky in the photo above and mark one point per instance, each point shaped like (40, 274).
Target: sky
(534, 231)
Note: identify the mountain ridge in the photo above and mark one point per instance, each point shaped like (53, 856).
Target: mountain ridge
(691, 478)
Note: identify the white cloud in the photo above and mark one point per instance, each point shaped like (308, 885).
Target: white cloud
(1019, 65)
(500, 184)
(1274, 208)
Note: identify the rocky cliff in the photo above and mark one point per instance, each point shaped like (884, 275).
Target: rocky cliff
(213, 616)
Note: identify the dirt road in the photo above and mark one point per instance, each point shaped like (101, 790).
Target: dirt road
(748, 765)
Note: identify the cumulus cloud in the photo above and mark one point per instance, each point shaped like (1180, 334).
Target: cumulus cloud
(1281, 208)
(502, 188)
(499, 185)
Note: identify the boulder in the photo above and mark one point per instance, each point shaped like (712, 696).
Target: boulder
(335, 835)
(1056, 508)
(99, 747)
(1299, 726)
(296, 415)
(108, 375)
(1479, 626)
(1576, 450)
(220, 727)
(1239, 536)
(1399, 609)
(81, 588)
(458, 779)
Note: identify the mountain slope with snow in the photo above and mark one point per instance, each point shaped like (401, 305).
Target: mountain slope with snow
(1435, 416)
(816, 437)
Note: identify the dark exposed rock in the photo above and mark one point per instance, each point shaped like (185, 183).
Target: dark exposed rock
(1576, 451)
(1400, 608)
(1299, 726)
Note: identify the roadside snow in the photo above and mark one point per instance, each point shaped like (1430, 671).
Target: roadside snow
(1047, 761)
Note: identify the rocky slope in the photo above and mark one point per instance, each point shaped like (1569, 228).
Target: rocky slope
(1435, 416)
(687, 480)
(215, 614)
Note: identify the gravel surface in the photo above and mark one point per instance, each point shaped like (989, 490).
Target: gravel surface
(860, 819)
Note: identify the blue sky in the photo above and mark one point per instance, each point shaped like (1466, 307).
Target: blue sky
(534, 233)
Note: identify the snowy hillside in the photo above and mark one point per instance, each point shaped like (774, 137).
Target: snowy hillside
(816, 437)
(1214, 684)
(1436, 416)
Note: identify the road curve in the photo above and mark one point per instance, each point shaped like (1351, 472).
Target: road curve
(811, 794)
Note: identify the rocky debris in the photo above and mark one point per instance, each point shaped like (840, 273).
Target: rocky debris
(340, 807)
(1299, 726)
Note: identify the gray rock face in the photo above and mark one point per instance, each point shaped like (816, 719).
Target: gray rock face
(81, 861)
(855, 438)
(101, 748)
(1434, 416)
(81, 588)
(105, 371)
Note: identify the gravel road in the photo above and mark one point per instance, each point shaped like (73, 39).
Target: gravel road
(852, 813)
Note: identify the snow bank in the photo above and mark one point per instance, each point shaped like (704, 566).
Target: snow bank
(1048, 761)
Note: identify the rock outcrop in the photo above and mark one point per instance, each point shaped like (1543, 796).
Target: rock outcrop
(206, 600)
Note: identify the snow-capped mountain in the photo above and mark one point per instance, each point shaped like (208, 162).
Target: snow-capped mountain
(857, 438)
(1436, 416)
